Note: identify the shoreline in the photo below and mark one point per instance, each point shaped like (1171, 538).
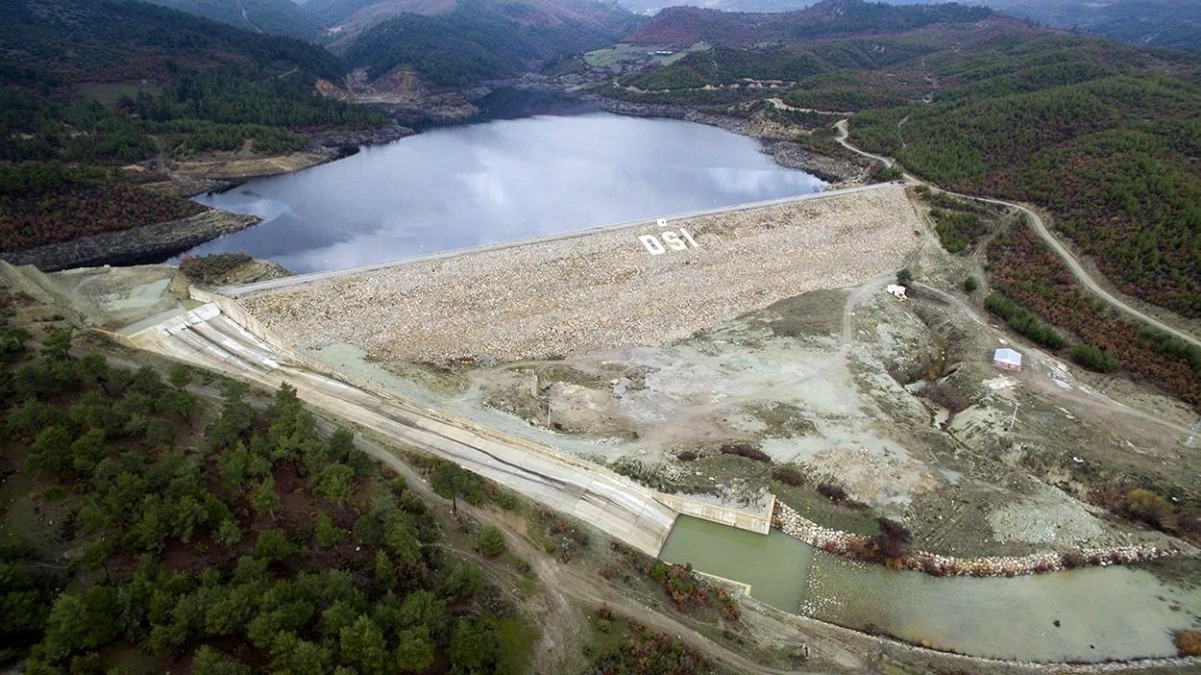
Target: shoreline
(155, 242)
(137, 245)
(785, 153)
(848, 545)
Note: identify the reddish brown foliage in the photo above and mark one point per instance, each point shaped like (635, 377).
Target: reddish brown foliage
(1027, 272)
(1188, 643)
(76, 212)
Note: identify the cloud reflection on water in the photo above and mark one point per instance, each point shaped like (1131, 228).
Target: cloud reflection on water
(485, 183)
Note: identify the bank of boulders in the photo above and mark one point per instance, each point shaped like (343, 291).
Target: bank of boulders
(852, 545)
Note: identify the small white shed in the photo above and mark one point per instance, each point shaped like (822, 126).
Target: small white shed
(1007, 359)
(896, 291)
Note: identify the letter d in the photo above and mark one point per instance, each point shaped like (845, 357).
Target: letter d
(652, 244)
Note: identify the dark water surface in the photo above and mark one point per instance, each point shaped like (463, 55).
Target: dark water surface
(1091, 614)
(497, 181)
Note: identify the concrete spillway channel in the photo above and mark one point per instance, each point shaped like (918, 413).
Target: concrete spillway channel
(209, 338)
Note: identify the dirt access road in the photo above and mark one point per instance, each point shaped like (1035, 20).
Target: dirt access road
(1040, 228)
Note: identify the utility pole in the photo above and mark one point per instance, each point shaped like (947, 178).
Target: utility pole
(1014, 418)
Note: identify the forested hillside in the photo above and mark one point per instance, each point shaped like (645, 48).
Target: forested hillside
(230, 539)
(91, 86)
(1104, 137)
(683, 26)
(479, 40)
(1149, 23)
(277, 17)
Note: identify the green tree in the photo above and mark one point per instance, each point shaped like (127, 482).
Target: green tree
(79, 622)
(423, 608)
(340, 615)
(180, 376)
(92, 367)
(463, 582)
(475, 646)
(335, 483)
(451, 481)
(209, 661)
(273, 545)
(228, 533)
(159, 433)
(230, 608)
(492, 541)
(291, 655)
(1095, 358)
(361, 644)
(328, 535)
(414, 650)
(57, 345)
(385, 571)
(87, 451)
(52, 450)
(239, 466)
(177, 402)
(400, 538)
(264, 499)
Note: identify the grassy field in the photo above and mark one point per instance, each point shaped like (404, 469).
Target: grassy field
(109, 93)
(622, 52)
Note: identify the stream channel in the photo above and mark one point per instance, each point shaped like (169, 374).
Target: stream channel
(1104, 613)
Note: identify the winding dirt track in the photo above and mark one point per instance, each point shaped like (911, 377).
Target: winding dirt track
(1043, 232)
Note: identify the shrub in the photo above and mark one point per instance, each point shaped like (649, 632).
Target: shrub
(1073, 559)
(1148, 507)
(970, 284)
(1188, 642)
(905, 277)
(788, 475)
(208, 269)
(1023, 321)
(745, 450)
(492, 541)
(894, 539)
(832, 492)
(946, 395)
(1095, 358)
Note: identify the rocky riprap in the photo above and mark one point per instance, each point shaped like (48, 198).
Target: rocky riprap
(347, 142)
(838, 542)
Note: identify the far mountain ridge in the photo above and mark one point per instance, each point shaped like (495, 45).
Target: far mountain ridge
(1149, 23)
(486, 40)
(682, 26)
(276, 17)
(346, 19)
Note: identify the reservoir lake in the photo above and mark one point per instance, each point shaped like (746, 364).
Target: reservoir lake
(497, 181)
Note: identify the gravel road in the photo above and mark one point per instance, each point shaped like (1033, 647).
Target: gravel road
(605, 290)
(1041, 229)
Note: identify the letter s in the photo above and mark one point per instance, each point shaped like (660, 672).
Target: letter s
(673, 241)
